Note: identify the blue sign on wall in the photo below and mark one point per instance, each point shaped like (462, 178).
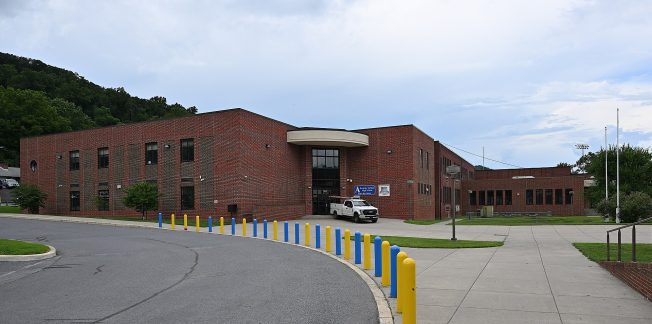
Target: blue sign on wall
(364, 190)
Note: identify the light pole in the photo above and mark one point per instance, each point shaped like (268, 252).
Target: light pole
(582, 147)
(617, 165)
(453, 170)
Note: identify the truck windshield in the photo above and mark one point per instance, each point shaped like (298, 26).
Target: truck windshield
(360, 203)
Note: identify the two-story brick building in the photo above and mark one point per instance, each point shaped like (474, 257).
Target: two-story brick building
(241, 163)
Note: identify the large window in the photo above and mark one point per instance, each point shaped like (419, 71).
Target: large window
(499, 197)
(151, 153)
(539, 196)
(481, 198)
(508, 197)
(473, 198)
(102, 200)
(427, 160)
(559, 197)
(187, 150)
(103, 157)
(490, 197)
(569, 196)
(187, 198)
(548, 196)
(529, 197)
(74, 200)
(325, 159)
(74, 160)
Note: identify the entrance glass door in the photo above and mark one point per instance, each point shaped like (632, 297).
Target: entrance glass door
(325, 179)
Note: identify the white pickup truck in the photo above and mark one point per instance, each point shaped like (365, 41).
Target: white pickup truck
(355, 208)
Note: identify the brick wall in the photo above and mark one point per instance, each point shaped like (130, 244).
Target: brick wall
(543, 179)
(636, 275)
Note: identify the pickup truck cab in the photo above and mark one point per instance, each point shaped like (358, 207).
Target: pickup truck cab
(356, 208)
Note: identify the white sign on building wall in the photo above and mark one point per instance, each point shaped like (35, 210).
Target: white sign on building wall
(383, 190)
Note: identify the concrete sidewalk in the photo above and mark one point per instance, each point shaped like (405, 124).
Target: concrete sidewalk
(536, 277)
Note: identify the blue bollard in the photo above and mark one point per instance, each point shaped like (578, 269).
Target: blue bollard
(317, 236)
(232, 226)
(285, 232)
(393, 251)
(378, 257)
(358, 250)
(210, 224)
(160, 220)
(264, 228)
(296, 233)
(255, 227)
(338, 241)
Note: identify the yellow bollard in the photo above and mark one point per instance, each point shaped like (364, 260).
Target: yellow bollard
(347, 244)
(410, 300)
(244, 226)
(367, 251)
(197, 223)
(307, 240)
(385, 254)
(400, 278)
(172, 221)
(328, 238)
(221, 225)
(275, 231)
(185, 222)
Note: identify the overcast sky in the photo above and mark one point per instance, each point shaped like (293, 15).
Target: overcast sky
(525, 79)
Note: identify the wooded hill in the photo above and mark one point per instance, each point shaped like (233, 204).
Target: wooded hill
(37, 99)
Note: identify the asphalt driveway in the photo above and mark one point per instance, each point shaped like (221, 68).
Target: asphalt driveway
(131, 275)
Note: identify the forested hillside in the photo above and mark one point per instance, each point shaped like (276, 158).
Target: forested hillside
(36, 99)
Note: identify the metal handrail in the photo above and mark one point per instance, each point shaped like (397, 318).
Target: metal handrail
(633, 225)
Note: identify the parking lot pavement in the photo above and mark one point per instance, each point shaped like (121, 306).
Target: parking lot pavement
(137, 275)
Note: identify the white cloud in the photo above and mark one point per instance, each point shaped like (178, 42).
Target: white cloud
(526, 79)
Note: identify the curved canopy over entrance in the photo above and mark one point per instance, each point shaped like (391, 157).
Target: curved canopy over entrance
(326, 137)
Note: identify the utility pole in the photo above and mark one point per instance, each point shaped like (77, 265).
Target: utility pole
(617, 165)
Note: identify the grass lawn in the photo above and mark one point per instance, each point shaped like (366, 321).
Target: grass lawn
(421, 222)
(10, 209)
(13, 247)
(431, 243)
(598, 251)
(532, 220)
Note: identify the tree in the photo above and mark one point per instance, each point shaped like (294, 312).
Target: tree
(30, 197)
(635, 171)
(633, 206)
(142, 196)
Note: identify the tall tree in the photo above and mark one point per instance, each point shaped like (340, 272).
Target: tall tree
(635, 171)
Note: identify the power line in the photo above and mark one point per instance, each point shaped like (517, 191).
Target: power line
(480, 156)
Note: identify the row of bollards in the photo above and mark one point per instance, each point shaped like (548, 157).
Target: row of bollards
(392, 265)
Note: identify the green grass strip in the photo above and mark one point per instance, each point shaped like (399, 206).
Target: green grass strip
(421, 222)
(432, 243)
(14, 247)
(532, 220)
(10, 209)
(598, 251)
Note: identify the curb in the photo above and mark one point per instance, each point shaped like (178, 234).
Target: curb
(30, 257)
(385, 315)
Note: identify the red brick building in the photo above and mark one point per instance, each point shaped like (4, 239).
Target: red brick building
(236, 161)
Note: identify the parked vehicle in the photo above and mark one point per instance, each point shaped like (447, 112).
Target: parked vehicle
(356, 208)
(11, 183)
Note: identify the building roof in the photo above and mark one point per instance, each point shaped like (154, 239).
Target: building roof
(10, 172)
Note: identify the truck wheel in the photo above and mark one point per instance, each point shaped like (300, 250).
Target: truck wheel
(356, 218)
(335, 215)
